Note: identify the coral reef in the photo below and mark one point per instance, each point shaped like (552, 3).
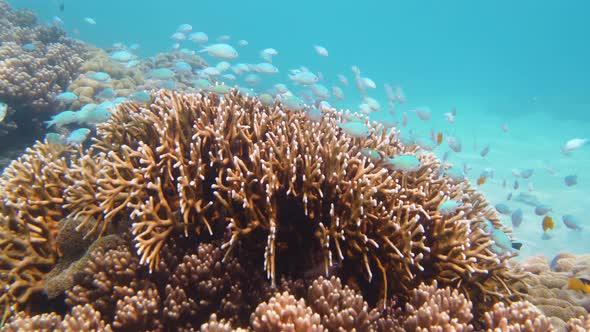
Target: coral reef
(201, 198)
(36, 63)
(546, 286)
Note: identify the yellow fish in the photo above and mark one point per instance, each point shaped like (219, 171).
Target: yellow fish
(548, 223)
(579, 285)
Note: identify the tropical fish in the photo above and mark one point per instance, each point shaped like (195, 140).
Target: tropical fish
(304, 78)
(161, 73)
(266, 68)
(454, 143)
(542, 209)
(355, 129)
(579, 285)
(221, 51)
(89, 20)
(178, 36)
(573, 144)
(55, 138)
(182, 67)
(481, 180)
(515, 186)
(485, 151)
(372, 154)
(198, 37)
(439, 138)
(404, 163)
(571, 222)
(516, 217)
(502, 243)
(528, 199)
(343, 80)
(505, 127)
(368, 83)
(293, 103)
(184, 28)
(502, 208)
(242, 43)
(78, 136)
(548, 223)
(267, 54)
(320, 50)
(140, 96)
(423, 113)
(570, 180)
(455, 173)
(337, 92)
(107, 93)
(3, 110)
(66, 97)
(122, 56)
(100, 76)
(63, 118)
(448, 207)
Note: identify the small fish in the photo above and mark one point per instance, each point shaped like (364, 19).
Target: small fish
(481, 180)
(502, 208)
(320, 50)
(66, 97)
(223, 38)
(546, 236)
(450, 117)
(100, 76)
(122, 56)
(448, 207)
(454, 143)
(548, 223)
(198, 37)
(516, 217)
(182, 67)
(405, 119)
(266, 68)
(579, 285)
(515, 186)
(178, 36)
(293, 103)
(571, 222)
(404, 163)
(542, 209)
(78, 136)
(439, 138)
(55, 138)
(304, 78)
(161, 73)
(423, 113)
(242, 43)
(107, 93)
(89, 20)
(355, 129)
(221, 51)
(485, 151)
(184, 28)
(3, 110)
(505, 127)
(509, 197)
(573, 144)
(570, 180)
(337, 92)
(368, 83)
(343, 80)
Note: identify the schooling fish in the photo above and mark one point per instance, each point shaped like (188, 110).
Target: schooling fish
(516, 217)
(570, 180)
(579, 285)
(66, 97)
(221, 51)
(78, 136)
(573, 144)
(571, 222)
(448, 207)
(542, 209)
(355, 129)
(3, 110)
(404, 163)
(485, 151)
(502, 208)
(320, 50)
(481, 180)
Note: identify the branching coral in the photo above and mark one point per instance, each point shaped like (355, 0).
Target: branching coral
(187, 162)
(274, 181)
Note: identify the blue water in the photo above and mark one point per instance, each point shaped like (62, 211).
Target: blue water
(523, 63)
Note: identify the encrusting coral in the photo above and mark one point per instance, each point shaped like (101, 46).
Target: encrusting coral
(267, 180)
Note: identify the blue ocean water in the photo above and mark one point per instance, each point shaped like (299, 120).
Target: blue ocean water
(523, 64)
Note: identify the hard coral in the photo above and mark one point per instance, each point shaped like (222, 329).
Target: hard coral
(270, 182)
(191, 162)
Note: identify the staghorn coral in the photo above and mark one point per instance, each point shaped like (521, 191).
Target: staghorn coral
(30, 210)
(272, 182)
(189, 162)
(433, 309)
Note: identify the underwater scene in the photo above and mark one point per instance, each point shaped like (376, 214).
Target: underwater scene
(294, 166)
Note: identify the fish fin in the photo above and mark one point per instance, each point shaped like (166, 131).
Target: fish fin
(585, 281)
(516, 245)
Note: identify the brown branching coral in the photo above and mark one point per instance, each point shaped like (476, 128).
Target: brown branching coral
(272, 181)
(189, 162)
(30, 210)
